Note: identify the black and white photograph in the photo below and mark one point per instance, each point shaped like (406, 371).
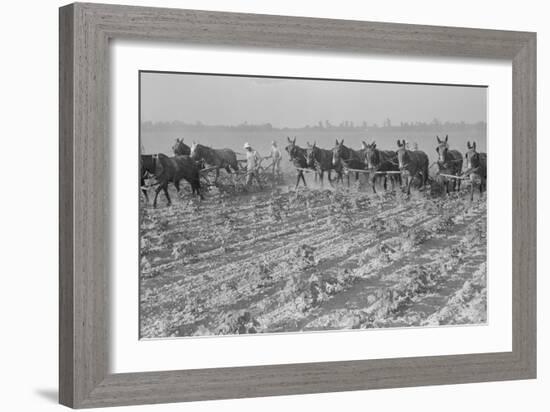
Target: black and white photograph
(283, 205)
(274, 205)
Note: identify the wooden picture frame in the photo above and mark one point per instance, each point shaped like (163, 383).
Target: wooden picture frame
(85, 31)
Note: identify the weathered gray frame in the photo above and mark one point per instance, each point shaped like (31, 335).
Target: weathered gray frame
(85, 31)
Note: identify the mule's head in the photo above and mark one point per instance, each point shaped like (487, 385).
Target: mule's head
(472, 156)
(442, 148)
(291, 148)
(372, 157)
(310, 154)
(158, 160)
(147, 164)
(337, 152)
(178, 147)
(403, 155)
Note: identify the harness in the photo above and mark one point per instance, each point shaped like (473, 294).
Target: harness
(471, 170)
(442, 164)
(353, 156)
(209, 155)
(317, 152)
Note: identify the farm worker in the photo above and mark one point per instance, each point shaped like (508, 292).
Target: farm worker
(276, 156)
(253, 160)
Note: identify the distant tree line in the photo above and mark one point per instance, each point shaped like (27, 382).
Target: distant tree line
(434, 126)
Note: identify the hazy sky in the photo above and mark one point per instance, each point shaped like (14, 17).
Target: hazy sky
(294, 103)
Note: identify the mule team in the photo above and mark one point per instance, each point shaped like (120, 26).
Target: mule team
(394, 165)
(402, 165)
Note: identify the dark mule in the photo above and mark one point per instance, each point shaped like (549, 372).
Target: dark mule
(321, 161)
(172, 170)
(476, 168)
(180, 148)
(147, 168)
(449, 162)
(343, 156)
(298, 158)
(415, 163)
(217, 158)
(379, 162)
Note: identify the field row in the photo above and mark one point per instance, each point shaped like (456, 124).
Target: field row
(311, 260)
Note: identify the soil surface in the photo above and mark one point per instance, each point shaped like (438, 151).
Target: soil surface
(284, 260)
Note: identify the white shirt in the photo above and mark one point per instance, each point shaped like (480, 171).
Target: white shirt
(252, 160)
(275, 153)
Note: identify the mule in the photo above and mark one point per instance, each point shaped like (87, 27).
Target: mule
(173, 170)
(180, 148)
(345, 157)
(216, 158)
(449, 162)
(379, 162)
(321, 160)
(146, 168)
(414, 163)
(298, 157)
(476, 169)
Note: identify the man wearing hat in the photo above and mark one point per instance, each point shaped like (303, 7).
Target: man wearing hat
(253, 160)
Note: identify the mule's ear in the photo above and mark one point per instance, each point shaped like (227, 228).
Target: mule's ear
(468, 145)
(446, 138)
(342, 142)
(398, 143)
(288, 138)
(294, 141)
(337, 143)
(438, 139)
(474, 145)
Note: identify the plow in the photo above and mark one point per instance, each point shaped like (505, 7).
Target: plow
(238, 177)
(453, 176)
(365, 171)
